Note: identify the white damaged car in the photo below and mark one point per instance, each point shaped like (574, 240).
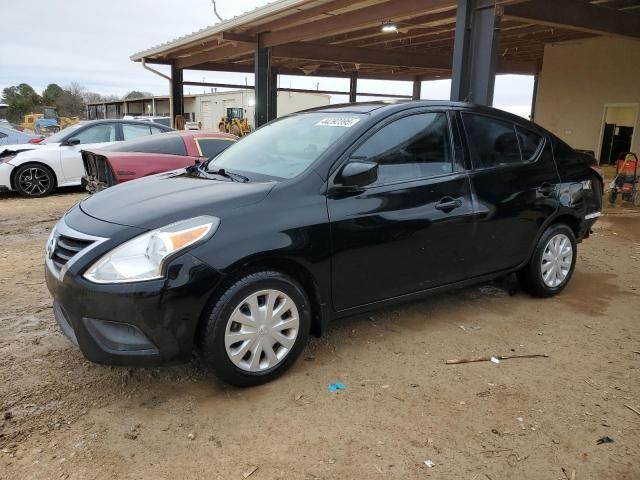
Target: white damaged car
(35, 170)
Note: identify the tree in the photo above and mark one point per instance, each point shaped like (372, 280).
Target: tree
(22, 99)
(52, 94)
(71, 102)
(137, 94)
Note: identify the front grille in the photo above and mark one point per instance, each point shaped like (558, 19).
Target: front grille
(65, 248)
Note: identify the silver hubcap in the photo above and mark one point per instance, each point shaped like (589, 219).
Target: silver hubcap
(34, 181)
(262, 330)
(556, 260)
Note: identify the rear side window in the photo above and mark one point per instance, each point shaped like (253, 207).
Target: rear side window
(210, 147)
(492, 142)
(530, 143)
(170, 144)
(155, 130)
(416, 146)
(130, 131)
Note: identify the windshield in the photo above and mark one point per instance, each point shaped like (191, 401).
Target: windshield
(285, 148)
(57, 137)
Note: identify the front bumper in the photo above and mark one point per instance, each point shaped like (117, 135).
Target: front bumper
(134, 324)
(5, 176)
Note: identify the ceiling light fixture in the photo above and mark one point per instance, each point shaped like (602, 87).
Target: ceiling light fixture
(389, 27)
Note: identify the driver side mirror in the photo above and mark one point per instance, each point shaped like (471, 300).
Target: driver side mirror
(358, 174)
(72, 141)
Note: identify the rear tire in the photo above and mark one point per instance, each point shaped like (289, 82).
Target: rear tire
(34, 180)
(256, 329)
(552, 263)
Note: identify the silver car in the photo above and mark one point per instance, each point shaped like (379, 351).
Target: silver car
(11, 136)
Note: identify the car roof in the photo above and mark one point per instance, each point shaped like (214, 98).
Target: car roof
(204, 134)
(386, 107)
(120, 120)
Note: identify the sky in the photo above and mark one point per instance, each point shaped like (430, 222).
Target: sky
(90, 42)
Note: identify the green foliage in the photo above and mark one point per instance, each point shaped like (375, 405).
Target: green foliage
(52, 94)
(137, 94)
(69, 101)
(22, 99)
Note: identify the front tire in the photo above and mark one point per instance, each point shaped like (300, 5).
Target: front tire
(34, 180)
(256, 329)
(552, 263)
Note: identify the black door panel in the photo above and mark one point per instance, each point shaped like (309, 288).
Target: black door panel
(515, 192)
(393, 240)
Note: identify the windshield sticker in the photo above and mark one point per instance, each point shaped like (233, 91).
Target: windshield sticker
(337, 122)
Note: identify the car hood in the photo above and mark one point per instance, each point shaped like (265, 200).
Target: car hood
(16, 148)
(158, 200)
(25, 147)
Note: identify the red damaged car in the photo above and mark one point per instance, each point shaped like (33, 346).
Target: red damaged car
(149, 155)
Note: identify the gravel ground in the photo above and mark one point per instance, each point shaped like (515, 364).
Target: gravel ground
(63, 417)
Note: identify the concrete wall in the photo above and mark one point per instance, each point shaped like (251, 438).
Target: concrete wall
(210, 108)
(578, 79)
(622, 116)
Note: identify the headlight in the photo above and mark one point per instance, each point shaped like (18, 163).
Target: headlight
(142, 258)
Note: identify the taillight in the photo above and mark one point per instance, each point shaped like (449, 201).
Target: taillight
(36, 140)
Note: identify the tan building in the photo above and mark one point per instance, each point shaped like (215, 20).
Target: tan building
(589, 94)
(207, 108)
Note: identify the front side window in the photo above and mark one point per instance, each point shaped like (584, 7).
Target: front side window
(62, 134)
(416, 146)
(492, 142)
(130, 131)
(104, 132)
(285, 148)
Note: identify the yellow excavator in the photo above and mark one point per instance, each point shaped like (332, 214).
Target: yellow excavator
(47, 122)
(235, 123)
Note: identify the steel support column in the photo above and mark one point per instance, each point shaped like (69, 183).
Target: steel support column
(266, 85)
(417, 87)
(353, 87)
(177, 93)
(534, 97)
(272, 111)
(475, 51)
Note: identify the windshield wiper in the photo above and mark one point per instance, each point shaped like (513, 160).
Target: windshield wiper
(235, 177)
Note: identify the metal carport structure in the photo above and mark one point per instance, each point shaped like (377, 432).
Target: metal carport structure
(469, 41)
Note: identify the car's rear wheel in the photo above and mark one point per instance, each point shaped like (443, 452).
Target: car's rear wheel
(34, 180)
(552, 263)
(256, 329)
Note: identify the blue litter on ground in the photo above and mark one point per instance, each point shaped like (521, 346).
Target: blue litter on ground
(336, 386)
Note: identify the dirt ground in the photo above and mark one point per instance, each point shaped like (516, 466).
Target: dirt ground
(63, 417)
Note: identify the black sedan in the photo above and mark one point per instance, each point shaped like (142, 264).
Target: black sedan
(316, 216)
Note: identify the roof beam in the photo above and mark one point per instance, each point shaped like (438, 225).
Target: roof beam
(576, 15)
(301, 15)
(229, 50)
(355, 55)
(392, 10)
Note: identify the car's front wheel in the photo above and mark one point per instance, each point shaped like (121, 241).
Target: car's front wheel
(256, 329)
(34, 180)
(552, 263)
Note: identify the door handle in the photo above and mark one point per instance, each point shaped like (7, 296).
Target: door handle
(546, 189)
(448, 204)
